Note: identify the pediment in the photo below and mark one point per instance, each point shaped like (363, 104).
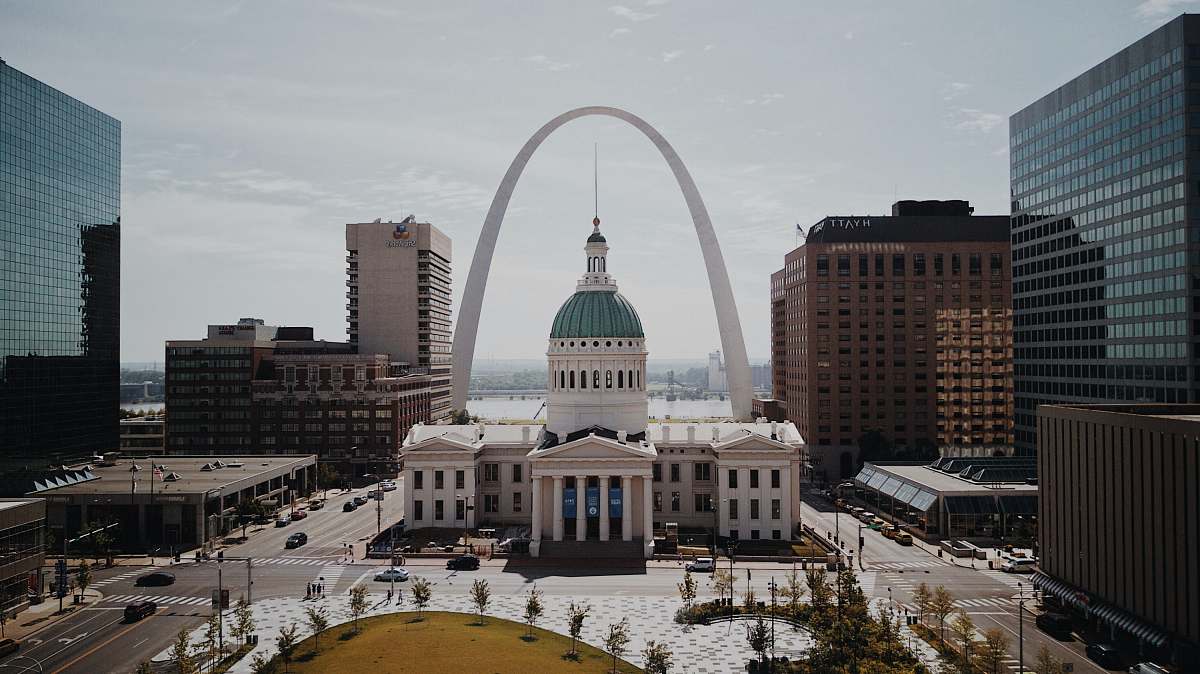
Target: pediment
(594, 447)
(753, 442)
(450, 442)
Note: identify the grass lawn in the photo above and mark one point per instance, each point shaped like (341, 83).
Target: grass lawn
(444, 642)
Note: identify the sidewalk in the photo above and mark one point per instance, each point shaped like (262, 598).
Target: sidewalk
(39, 616)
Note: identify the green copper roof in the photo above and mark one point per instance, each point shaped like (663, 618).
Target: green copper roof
(596, 314)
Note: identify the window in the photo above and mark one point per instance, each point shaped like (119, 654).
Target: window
(733, 513)
(938, 265)
(703, 471)
(439, 510)
(608, 379)
(776, 534)
(516, 472)
(674, 472)
(822, 265)
(460, 480)
(879, 264)
(595, 378)
(733, 478)
(754, 534)
(843, 263)
(898, 264)
(753, 508)
(658, 501)
(776, 513)
(733, 533)
(656, 470)
(516, 501)
(703, 503)
(572, 379)
(418, 479)
(774, 478)
(754, 478)
(675, 502)
(919, 264)
(491, 503)
(460, 509)
(439, 480)
(418, 510)
(583, 379)
(491, 472)
(620, 378)
(955, 264)
(996, 264)
(863, 268)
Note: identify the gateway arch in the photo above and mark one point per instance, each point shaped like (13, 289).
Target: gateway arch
(733, 343)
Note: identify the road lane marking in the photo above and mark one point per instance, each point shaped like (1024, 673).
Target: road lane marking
(95, 648)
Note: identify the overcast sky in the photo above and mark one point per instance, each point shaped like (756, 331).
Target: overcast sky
(252, 131)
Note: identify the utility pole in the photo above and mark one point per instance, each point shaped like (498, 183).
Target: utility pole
(220, 609)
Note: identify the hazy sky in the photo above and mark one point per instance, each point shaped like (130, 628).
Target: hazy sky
(254, 130)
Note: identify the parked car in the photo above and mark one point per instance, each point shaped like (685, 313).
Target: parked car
(889, 530)
(1148, 668)
(388, 575)
(387, 485)
(299, 514)
(903, 538)
(138, 610)
(1018, 565)
(360, 500)
(877, 524)
(1056, 625)
(856, 511)
(349, 507)
(702, 565)
(158, 578)
(463, 563)
(283, 521)
(1105, 655)
(866, 516)
(8, 646)
(375, 494)
(316, 505)
(262, 519)
(296, 540)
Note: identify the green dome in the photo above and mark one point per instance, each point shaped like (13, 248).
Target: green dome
(591, 313)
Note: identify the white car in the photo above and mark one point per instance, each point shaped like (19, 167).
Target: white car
(389, 575)
(702, 565)
(1018, 565)
(867, 516)
(388, 486)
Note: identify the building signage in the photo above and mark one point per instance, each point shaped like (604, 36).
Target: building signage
(568, 503)
(402, 244)
(402, 237)
(614, 502)
(593, 501)
(840, 223)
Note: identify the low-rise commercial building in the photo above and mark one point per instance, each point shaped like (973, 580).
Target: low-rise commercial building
(22, 550)
(143, 435)
(187, 501)
(1120, 534)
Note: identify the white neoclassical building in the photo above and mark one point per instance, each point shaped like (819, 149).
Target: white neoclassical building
(598, 478)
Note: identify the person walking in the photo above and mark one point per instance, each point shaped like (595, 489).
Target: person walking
(308, 591)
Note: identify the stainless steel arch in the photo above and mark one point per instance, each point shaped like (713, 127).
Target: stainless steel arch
(732, 342)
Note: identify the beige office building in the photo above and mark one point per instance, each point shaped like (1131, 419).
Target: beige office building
(398, 299)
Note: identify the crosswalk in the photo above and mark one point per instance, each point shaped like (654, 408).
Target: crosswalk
(979, 603)
(1009, 579)
(904, 566)
(291, 561)
(157, 599)
(124, 576)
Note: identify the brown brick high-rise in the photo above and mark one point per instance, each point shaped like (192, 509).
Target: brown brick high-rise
(900, 324)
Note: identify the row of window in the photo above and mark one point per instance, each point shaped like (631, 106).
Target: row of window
(974, 264)
(566, 380)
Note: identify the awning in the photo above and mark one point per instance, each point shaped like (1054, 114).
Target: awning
(906, 493)
(877, 480)
(864, 475)
(970, 505)
(1103, 611)
(923, 500)
(1057, 588)
(890, 486)
(1024, 504)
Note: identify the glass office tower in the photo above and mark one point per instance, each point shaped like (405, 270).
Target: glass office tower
(60, 256)
(1104, 269)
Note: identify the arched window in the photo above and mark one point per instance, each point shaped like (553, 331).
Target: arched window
(608, 379)
(639, 379)
(572, 378)
(595, 378)
(603, 264)
(562, 378)
(620, 378)
(631, 379)
(583, 379)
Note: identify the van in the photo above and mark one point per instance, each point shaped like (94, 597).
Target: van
(139, 610)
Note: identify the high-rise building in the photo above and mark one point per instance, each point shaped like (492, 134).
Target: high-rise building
(60, 273)
(398, 299)
(1102, 282)
(899, 325)
(717, 380)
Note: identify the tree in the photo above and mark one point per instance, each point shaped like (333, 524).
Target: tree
(422, 594)
(318, 621)
(819, 590)
(575, 617)
(922, 599)
(758, 635)
(749, 600)
(793, 592)
(83, 577)
(181, 653)
(722, 582)
(358, 603)
(211, 643)
(941, 605)
(327, 475)
(687, 592)
(144, 667)
(260, 664)
(102, 540)
(286, 642)
(1047, 663)
(964, 629)
(243, 621)
(533, 609)
(617, 640)
(481, 594)
(657, 658)
(462, 417)
(994, 650)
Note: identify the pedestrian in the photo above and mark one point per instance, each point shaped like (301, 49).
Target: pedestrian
(321, 589)
(389, 597)
(308, 592)
(399, 596)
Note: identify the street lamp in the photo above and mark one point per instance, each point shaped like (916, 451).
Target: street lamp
(1021, 598)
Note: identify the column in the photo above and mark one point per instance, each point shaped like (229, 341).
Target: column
(626, 508)
(407, 486)
(470, 496)
(536, 528)
(558, 514)
(604, 507)
(580, 508)
(723, 496)
(785, 497)
(647, 510)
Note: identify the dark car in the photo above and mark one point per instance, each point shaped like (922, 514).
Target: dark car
(360, 500)
(136, 611)
(1055, 624)
(1105, 655)
(296, 540)
(463, 563)
(263, 519)
(155, 579)
(350, 507)
(8, 646)
(316, 505)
